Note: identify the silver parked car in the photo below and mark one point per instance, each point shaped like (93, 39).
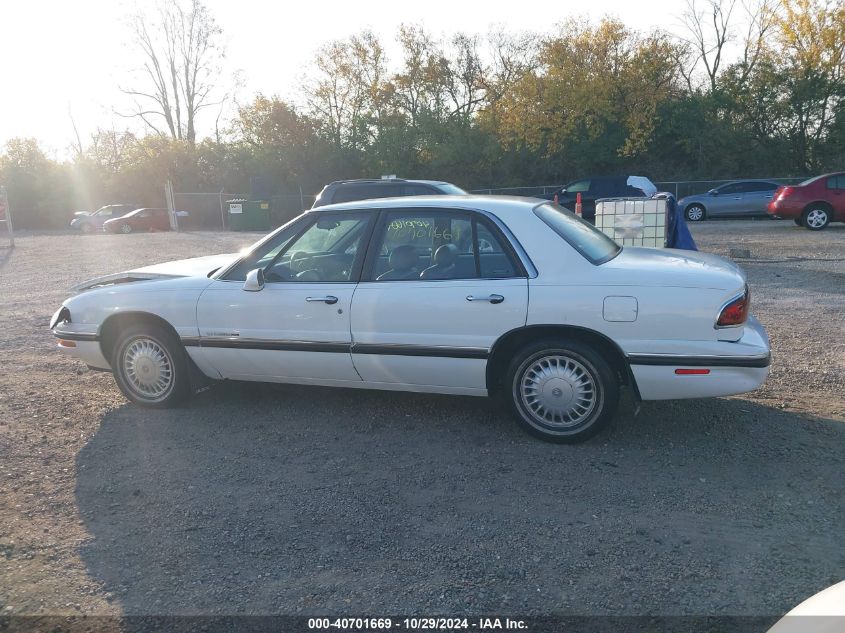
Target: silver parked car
(738, 198)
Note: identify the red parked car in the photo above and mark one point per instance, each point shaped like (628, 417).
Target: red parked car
(145, 219)
(814, 203)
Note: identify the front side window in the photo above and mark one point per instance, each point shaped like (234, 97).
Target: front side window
(729, 189)
(325, 252)
(327, 249)
(594, 245)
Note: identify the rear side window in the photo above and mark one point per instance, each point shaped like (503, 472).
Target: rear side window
(419, 190)
(581, 186)
(365, 192)
(836, 182)
(594, 245)
(428, 244)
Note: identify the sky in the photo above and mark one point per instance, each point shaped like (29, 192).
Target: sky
(64, 62)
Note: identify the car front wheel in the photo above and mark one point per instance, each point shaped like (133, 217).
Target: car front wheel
(694, 213)
(150, 367)
(125, 228)
(562, 391)
(816, 218)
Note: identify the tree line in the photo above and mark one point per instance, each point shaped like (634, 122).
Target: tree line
(750, 88)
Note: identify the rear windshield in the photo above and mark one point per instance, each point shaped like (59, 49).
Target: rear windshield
(809, 180)
(594, 245)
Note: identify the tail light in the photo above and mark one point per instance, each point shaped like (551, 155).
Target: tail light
(735, 311)
(783, 192)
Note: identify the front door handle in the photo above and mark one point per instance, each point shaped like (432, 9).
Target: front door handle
(330, 299)
(491, 298)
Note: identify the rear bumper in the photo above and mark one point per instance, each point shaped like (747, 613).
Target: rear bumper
(732, 368)
(780, 210)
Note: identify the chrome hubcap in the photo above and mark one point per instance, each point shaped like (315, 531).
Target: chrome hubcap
(816, 218)
(148, 368)
(125, 228)
(558, 391)
(695, 213)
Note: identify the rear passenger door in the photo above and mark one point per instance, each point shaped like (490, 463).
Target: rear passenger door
(439, 287)
(756, 196)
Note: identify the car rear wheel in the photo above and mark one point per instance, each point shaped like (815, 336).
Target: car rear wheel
(562, 391)
(150, 367)
(125, 228)
(694, 213)
(816, 218)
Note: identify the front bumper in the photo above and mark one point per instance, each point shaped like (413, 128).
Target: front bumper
(727, 368)
(79, 342)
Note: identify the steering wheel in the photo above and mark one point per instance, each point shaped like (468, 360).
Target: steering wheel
(299, 261)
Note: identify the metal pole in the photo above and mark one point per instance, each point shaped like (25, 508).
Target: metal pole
(301, 200)
(222, 213)
(8, 208)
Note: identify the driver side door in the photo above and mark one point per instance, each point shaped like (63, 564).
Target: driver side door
(296, 327)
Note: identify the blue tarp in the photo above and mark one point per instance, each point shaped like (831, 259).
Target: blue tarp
(677, 231)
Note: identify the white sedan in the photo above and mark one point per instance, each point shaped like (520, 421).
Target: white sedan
(456, 295)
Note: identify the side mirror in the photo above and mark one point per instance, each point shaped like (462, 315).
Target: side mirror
(254, 280)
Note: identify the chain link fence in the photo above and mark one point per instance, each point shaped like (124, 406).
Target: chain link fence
(210, 211)
(680, 188)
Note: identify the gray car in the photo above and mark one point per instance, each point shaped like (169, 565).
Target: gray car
(738, 198)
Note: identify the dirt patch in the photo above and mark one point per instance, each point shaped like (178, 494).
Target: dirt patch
(272, 499)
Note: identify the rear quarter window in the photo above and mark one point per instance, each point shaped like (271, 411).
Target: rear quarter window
(592, 244)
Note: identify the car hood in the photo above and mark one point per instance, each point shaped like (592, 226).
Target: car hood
(674, 267)
(194, 267)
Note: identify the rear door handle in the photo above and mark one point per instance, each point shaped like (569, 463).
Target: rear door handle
(491, 298)
(330, 299)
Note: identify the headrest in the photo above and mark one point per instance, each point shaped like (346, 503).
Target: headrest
(403, 257)
(446, 255)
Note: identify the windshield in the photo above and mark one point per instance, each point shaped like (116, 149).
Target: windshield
(451, 190)
(103, 211)
(594, 245)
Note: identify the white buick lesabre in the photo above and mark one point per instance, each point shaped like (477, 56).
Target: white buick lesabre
(457, 295)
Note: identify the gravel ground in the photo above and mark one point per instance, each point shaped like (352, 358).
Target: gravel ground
(273, 499)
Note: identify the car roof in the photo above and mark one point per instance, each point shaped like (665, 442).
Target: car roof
(386, 181)
(734, 182)
(501, 206)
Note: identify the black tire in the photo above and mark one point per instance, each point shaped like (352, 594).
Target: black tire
(695, 213)
(156, 338)
(799, 221)
(815, 218)
(125, 228)
(601, 388)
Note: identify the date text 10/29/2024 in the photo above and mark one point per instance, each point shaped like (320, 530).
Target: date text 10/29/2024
(417, 624)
